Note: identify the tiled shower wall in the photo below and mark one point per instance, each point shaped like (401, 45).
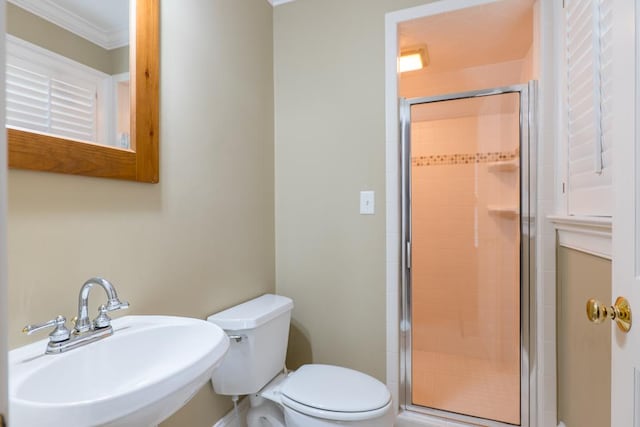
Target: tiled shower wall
(465, 242)
(465, 263)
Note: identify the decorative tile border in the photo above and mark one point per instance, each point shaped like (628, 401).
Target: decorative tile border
(458, 159)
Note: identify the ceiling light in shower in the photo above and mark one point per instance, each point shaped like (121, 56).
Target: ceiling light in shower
(412, 59)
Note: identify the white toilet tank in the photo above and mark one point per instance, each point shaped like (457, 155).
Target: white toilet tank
(259, 332)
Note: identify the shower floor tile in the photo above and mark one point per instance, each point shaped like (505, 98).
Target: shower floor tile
(466, 385)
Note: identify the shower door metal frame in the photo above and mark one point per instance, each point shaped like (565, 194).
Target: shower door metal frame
(528, 197)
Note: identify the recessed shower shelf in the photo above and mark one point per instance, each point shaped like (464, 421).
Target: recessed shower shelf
(504, 211)
(504, 166)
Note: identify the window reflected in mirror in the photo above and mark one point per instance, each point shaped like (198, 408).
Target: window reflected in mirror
(68, 69)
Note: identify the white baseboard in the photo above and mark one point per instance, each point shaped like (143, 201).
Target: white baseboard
(231, 420)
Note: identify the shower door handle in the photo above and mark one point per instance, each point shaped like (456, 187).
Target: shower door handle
(408, 255)
(620, 312)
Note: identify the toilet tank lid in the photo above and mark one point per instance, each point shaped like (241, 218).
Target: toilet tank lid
(252, 313)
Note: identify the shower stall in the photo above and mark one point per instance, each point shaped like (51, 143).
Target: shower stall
(468, 241)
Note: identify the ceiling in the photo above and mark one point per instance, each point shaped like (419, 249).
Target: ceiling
(105, 23)
(496, 32)
(275, 3)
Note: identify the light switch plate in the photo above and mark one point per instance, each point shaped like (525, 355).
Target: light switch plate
(367, 202)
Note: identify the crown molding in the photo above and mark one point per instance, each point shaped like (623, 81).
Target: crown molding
(275, 3)
(62, 17)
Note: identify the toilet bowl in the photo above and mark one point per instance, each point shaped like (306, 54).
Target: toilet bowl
(313, 396)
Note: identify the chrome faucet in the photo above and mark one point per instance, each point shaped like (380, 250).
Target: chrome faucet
(85, 331)
(83, 324)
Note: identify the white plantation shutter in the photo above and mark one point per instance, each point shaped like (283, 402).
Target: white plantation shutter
(588, 106)
(50, 94)
(73, 110)
(27, 99)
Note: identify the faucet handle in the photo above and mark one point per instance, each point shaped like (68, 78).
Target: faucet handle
(103, 320)
(59, 333)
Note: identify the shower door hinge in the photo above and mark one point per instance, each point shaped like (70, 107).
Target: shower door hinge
(408, 255)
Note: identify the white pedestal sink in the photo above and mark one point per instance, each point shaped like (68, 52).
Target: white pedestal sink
(148, 369)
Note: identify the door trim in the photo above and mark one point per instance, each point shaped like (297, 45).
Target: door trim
(528, 194)
(543, 367)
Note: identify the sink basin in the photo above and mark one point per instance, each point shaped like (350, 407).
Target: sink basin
(148, 369)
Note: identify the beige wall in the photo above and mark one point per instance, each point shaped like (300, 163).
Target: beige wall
(200, 240)
(330, 144)
(38, 31)
(584, 349)
(119, 60)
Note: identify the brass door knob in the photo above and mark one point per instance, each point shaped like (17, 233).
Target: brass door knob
(620, 312)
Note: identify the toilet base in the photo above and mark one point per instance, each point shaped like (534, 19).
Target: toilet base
(264, 413)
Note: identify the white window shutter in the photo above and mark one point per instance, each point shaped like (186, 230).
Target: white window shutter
(50, 94)
(73, 110)
(588, 106)
(27, 99)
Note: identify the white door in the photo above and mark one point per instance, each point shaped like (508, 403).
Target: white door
(3, 233)
(625, 347)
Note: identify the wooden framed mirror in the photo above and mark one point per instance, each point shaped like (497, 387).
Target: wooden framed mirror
(41, 152)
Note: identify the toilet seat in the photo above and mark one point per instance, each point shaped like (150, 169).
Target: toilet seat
(333, 415)
(335, 393)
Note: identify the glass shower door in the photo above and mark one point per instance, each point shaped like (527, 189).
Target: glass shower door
(463, 285)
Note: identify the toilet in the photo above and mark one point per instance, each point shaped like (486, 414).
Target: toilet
(313, 396)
